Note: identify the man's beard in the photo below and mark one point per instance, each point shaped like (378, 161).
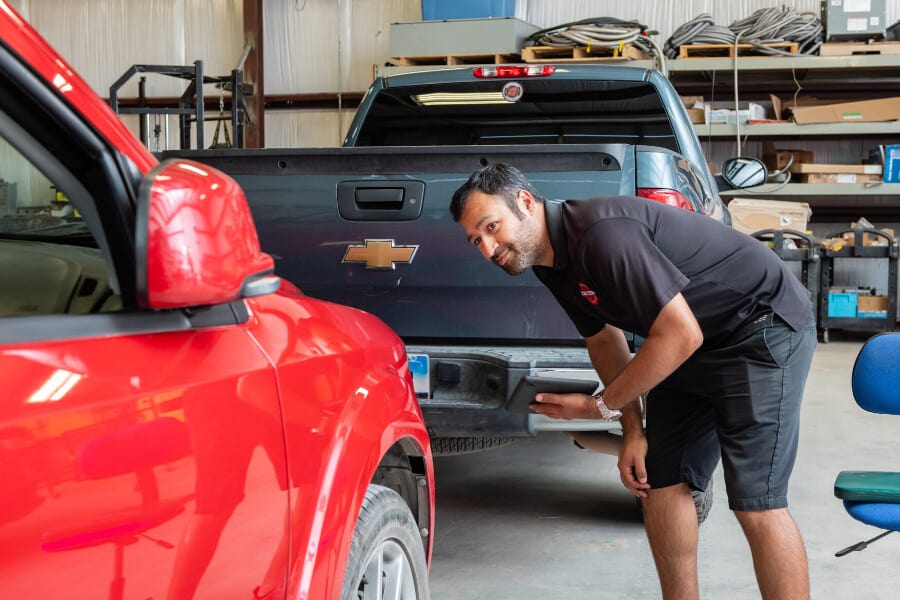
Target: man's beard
(524, 252)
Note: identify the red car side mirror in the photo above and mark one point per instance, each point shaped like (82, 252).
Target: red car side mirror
(195, 239)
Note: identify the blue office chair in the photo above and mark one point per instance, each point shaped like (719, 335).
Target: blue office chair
(873, 497)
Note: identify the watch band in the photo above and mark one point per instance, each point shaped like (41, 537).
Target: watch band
(606, 413)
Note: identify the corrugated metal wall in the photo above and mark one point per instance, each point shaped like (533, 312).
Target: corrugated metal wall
(311, 46)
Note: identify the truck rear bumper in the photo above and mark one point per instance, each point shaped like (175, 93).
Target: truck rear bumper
(470, 386)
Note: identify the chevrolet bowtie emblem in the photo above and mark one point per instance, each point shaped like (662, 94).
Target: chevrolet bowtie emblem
(379, 254)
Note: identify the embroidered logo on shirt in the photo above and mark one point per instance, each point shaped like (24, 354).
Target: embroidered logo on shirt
(588, 294)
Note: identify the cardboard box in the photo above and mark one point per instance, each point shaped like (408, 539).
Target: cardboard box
(697, 115)
(783, 108)
(838, 178)
(750, 215)
(872, 304)
(883, 109)
(810, 167)
(776, 159)
(692, 101)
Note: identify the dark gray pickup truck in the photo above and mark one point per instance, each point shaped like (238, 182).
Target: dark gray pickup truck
(368, 224)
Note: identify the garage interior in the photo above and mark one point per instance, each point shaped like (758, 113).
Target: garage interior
(541, 518)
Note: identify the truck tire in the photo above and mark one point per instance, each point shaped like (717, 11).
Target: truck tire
(466, 445)
(703, 502)
(387, 558)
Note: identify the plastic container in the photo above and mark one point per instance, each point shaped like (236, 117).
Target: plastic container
(842, 304)
(438, 10)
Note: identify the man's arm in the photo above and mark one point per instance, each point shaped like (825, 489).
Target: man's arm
(609, 354)
(674, 336)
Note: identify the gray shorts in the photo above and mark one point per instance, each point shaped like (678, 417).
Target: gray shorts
(740, 402)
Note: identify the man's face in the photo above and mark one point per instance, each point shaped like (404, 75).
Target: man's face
(512, 242)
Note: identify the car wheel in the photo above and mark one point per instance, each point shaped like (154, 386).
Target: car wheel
(451, 446)
(387, 558)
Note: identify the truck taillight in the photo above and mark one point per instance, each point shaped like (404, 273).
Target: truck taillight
(511, 71)
(670, 197)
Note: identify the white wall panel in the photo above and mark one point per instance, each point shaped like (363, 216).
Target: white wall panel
(328, 45)
(101, 39)
(306, 128)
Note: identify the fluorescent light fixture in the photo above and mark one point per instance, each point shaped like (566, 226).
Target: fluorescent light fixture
(454, 98)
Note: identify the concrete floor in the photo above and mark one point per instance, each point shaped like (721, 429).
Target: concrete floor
(541, 519)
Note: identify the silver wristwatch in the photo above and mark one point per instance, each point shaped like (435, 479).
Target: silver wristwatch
(606, 413)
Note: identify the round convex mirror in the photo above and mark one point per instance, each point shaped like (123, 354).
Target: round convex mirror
(743, 172)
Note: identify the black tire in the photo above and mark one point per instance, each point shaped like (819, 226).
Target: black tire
(386, 552)
(703, 502)
(466, 445)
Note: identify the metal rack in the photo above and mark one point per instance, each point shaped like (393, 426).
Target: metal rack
(190, 106)
(802, 249)
(858, 250)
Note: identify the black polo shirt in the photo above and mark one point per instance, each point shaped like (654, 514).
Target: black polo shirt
(620, 259)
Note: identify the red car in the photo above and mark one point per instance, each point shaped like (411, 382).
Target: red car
(176, 421)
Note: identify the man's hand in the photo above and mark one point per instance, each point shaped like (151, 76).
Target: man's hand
(632, 469)
(565, 406)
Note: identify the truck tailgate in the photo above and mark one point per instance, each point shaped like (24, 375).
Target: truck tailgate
(370, 227)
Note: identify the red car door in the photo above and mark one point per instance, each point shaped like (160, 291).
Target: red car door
(145, 464)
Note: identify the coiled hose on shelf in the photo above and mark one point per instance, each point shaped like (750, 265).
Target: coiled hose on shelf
(699, 30)
(607, 32)
(781, 24)
(765, 26)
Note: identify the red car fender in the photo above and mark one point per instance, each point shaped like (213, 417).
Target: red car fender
(347, 399)
(371, 424)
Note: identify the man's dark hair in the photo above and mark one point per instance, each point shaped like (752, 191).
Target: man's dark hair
(497, 179)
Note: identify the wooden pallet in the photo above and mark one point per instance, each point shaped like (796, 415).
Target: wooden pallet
(456, 59)
(727, 50)
(557, 54)
(851, 48)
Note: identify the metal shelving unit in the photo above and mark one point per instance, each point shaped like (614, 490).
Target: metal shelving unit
(782, 63)
(885, 128)
(838, 200)
(840, 77)
(822, 189)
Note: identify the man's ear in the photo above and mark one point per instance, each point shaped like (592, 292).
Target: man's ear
(528, 201)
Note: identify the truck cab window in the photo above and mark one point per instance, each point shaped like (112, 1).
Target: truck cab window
(557, 111)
